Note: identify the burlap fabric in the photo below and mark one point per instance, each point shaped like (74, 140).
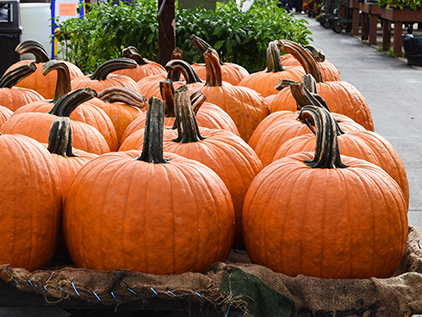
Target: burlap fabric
(257, 290)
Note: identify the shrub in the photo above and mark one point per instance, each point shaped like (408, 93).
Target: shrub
(239, 37)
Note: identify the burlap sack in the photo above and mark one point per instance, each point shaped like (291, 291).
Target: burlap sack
(255, 289)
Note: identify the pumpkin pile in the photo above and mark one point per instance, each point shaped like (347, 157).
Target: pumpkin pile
(165, 169)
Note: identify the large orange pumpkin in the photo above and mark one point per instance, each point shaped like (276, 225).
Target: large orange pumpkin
(45, 85)
(265, 80)
(325, 215)
(5, 114)
(341, 97)
(230, 72)
(30, 203)
(37, 124)
(15, 97)
(245, 106)
(156, 213)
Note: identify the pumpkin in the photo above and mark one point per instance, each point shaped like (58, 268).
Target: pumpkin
(281, 126)
(245, 106)
(30, 203)
(37, 124)
(328, 71)
(159, 213)
(265, 80)
(45, 85)
(122, 106)
(103, 76)
(144, 68)
(325, 215)
(222, 151)
(15, 97)
(341, 97)
(5, 114)
(86, 112)
(230, 72)
(362, 144)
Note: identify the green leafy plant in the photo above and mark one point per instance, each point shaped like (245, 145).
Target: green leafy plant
(238, 37)
(400, 4)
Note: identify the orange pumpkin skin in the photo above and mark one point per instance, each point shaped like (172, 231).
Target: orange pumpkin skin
(146, 225)
(30, 201)
(142, 71)
(5, 114)
(322, 219)
(99, 85)
(230, 72)
(362, 144)
(281, 126)
(16, 97)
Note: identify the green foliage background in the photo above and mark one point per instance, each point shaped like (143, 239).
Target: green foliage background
(240, 38)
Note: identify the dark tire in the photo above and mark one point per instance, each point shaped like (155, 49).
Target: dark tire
(327, 24)
(337, 28)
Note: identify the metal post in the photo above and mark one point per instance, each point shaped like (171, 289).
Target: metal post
(167, 30)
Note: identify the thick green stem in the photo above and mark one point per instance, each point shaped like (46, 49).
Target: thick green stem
(60, 137)
(35, 48)
(152, 151)
(112, 65)
(303, 56)
(191, 76)
(327, 154)
(187, 127)
(63, 77)
(65, 105)
(11, 78)
(213, 68)
(133, 53)
(273, 58)
(123, 95)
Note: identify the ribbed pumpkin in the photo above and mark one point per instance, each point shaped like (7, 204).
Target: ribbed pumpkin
(325, 215)
(144, 69)
(5, 114)
(341, 97)
(156, 213)
(37, 124)
(230, 72)
(328, 71)
(208, 115)
(45, 85)
(264, 81)
(222, 151)
(245, 106)
(86, 112)
(281, 126)
(15, 97)
(362, 144)
(103, 78)
(30, 203)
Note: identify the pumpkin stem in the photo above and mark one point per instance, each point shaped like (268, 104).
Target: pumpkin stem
(112, 65)
(11, 78)
(302, 55)
(273, 58)
(123, 95)
(183, 67)
(213, 69)
(152, 151)
(60, 137)
(202, 46)
(63, 77)
(316, 53)
(187, 127)
(197, 98)
(327, 154)
(133, 53)
(65, 105)
(167, 93)
(174, 75)
(305, 93)
(33, 47)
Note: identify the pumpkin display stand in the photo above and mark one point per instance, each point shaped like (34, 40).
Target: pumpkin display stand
(230, 287)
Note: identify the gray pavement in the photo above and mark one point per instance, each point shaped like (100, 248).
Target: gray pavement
(393, 90)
